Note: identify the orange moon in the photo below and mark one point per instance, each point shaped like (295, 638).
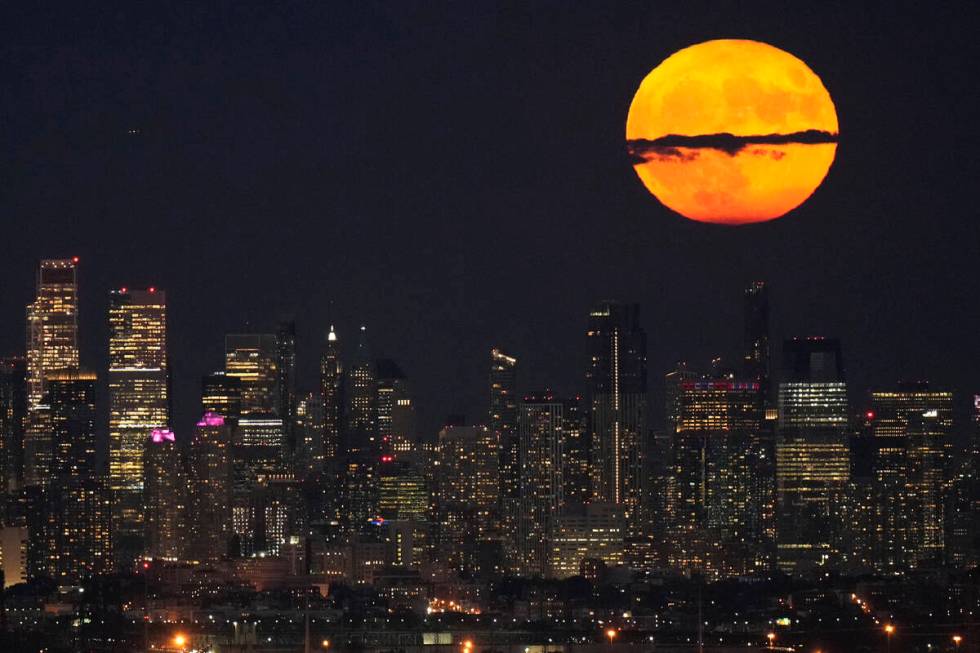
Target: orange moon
(732, 132)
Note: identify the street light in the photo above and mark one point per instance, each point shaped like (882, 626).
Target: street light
(325, 643)
(957, 639)
(179, 641)
(771, 637)
(611, 635)
(889, 631)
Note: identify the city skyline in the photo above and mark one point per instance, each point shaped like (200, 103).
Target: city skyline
(186, 413)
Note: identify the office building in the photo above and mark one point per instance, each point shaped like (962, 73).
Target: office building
(210, 487)
(362, 429)
(617, 393)
(253, 358)
(77, 501)
(13, 422)
(166, 496)
(331, 377)
(138, 404)
(541, 424)
(503, 428)
(812, 455)
(52, 348)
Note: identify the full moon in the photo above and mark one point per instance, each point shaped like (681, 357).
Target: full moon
(732, 132)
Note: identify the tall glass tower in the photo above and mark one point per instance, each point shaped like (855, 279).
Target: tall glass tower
(331, 375)
(52, 347)
(617, 394)
(812, 454)
(138, 404)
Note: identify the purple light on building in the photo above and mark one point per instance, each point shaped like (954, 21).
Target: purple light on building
(211, 419)
(162, 435)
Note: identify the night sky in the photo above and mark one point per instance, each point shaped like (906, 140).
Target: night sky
(455, 176)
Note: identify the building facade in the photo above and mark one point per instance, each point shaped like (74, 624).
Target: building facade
(138, 403)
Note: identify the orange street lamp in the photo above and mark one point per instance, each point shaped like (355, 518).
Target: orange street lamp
(772, 638)
(889, 631)
(957, 639)
(468, 646)
(611, 635)
(179, 641)
(325, 643)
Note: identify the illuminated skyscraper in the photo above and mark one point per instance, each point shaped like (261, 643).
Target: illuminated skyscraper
(892, 410)
(963, 508)
(13, 422)
(466, 492)
(362, 429)
(331, 375)
(756, 344)
(812, 454)
(221, 394)
(309, 457)
(541, 425)
(165, 496)
(253, 358)
(576, 451)
(403, 491)
(286, 383)
(78, 503)
(503, 428)
(911, 433)
(210, 485)
(617, 383)
(52, 347)
(673, 391)
(711, 504)
(138, 404)
(52, 325)
(391, 402)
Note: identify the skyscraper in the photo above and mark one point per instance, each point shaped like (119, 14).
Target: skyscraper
(138, 404)
(910, 426)
(503, 428)
(309, 458)
(812, 454)
(52, 347)
(13, 421)
(165, 496)
(756, 342)
(710, 506)
(221, 394)
(617, 393)
(331, 374)
(77, 501)
(210, 485)
(673, 391)
(541, 425)
(362, 432)
(253, 358)
(466, 492)
(286, 382)
(52, 325)
(392, 397)
(576, 454)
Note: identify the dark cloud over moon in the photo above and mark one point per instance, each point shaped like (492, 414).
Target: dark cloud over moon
(641, 149)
